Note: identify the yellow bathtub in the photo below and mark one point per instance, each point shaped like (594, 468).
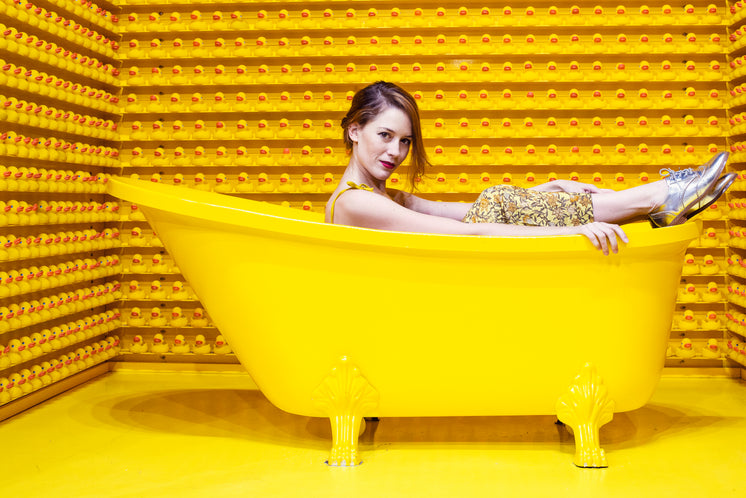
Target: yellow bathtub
(345, 322)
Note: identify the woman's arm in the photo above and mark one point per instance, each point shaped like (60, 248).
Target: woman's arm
(570, 187)
(452, 210)
(370, 210)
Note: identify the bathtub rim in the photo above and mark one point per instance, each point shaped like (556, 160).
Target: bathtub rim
(240, 212)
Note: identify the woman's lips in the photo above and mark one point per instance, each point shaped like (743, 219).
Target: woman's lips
(388, 165)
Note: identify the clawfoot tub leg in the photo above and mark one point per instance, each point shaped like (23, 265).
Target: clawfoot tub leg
(345, 396)
(585, 407)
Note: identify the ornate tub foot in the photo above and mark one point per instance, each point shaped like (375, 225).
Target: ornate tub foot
(586, 407)
(345, 396)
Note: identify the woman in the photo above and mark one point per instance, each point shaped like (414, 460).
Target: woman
(383, 124)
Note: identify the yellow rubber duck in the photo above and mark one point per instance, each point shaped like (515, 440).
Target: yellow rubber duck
(712, 349)
(713, 294)
(685, 349)
(688, 294)
(711, 322)
(221, 346)
(244, 184)
(201, 346)
(135, 318)
(690, 265)
(222, 185)
(710, 266)
(159, 344)
(180, 345)
(687, 321)
(157, 320)
(199, 319)
(286, 185)
(157, 292)
(328, 185)
(178, 320)
(135, 291)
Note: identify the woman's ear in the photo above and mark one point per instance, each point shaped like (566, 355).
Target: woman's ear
(352, 131)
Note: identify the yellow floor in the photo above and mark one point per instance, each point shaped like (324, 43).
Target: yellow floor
(135, 433)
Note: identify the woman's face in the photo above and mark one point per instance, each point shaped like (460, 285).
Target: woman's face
(383, 143)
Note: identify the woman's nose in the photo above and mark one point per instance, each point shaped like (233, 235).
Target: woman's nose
(394, 149)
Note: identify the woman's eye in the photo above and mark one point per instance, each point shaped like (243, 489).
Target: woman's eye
(406, 142)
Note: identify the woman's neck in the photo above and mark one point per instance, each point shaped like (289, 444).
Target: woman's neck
(358, 174)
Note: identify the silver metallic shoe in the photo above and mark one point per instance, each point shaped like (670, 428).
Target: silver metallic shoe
(723, 183)
(687, 192)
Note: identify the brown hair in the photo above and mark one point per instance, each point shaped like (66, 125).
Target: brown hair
(374, 99)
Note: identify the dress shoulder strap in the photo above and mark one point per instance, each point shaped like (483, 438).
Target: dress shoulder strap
(350, 186)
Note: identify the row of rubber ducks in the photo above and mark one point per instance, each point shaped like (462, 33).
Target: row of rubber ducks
(31, 179)
(737, 11)
(57, 88)
(573, 15)
(53, 244)
(33, 48)
(666, 70)
(54, 149)
(306, 46)
(737, 39)
(738, 67)
(736, 323)
(737, 237)
(736, 295)
(738, 95)
(737, 123)
(40, 278)
(737, 210)
(157, 263)
(689, 320)
(439, 182)
(84, 9)
(158, 290)
(483, 99)
(139, 238)
(736, 347)
(690, 293)
(221, 156)
(528, 127)
(736, 266)
(642, 126)
(706, 265)
(177, 318)
(28, 380)
(59, 25)
(737, 351)
(21, 213)
(61, 336)
(178, 345)
(19, 315)
(463, 155)
(551, 154)
(711, 238)
(21, 112)
(688, 349)
(239, 102)
(239, 130)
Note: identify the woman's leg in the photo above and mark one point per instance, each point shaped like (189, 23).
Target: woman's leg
(629, 204)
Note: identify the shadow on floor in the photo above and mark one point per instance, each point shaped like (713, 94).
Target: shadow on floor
(248, 414)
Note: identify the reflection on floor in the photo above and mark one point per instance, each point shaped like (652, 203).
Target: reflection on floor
(134, 433)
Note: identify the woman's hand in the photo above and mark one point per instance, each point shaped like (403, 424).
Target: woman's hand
(571, 187)
(602, 235)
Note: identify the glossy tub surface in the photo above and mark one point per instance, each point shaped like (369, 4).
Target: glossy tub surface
(403, 324)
